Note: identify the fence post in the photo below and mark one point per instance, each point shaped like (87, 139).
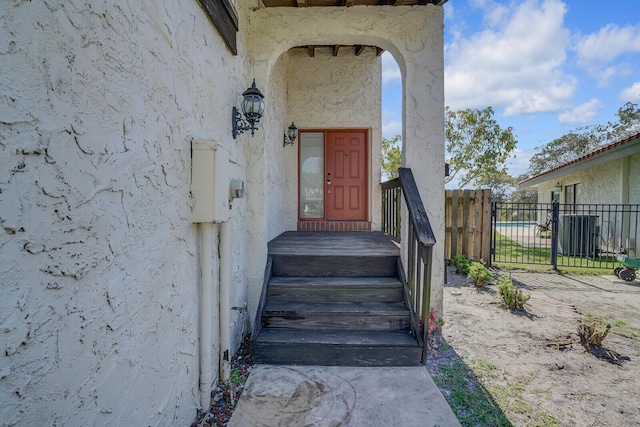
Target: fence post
(494, 214)
(555, 215)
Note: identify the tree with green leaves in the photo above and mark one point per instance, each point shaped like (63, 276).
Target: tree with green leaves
(585, 139)
(391, 157)
(501, 186)
(478, 147)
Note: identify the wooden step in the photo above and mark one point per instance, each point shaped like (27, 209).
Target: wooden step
(336, 348)
(335, 289)
(336, 315)
(334, 266)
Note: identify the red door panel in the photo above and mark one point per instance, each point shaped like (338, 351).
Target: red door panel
(346, 173)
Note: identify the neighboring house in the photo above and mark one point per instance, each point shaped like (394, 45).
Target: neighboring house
(609, 175)
(104, 105)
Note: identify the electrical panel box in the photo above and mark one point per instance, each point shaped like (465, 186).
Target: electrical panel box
(210, 177)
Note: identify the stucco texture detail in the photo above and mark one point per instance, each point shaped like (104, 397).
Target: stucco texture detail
(603, 184)
(327, 92)
(634, 179)
(414, 36)
(98, 252)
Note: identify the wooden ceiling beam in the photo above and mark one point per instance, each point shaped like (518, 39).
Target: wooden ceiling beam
(312, 51)
(379, 51)
(359, 49)
(335, 49)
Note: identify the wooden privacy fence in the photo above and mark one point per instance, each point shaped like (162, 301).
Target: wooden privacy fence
(468, 224)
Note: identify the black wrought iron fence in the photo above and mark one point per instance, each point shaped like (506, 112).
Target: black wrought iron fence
(569, 235)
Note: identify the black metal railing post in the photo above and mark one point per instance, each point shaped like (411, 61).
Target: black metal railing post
(555, 238)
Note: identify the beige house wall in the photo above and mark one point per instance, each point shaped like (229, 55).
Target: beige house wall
(611, 183)
(414, 36)
(99, 255)
(327, 92)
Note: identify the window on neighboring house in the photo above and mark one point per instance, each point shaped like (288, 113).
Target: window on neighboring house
(572, 195)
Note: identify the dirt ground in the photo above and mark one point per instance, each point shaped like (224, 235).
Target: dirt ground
(532, 363)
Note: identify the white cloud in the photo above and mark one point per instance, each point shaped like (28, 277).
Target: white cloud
(391, 123)
(631, 93)
(519, 163)
(585, 113)
(516, 64)
(596, 51)
(390, 69)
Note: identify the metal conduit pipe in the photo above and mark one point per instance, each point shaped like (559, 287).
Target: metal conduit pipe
(225, 287)
(206, 280)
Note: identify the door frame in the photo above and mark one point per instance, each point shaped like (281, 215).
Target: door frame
(367, 162)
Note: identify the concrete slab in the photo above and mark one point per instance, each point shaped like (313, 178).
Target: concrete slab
(341, 396)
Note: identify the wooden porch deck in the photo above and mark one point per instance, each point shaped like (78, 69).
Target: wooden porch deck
(334, 298)
(335, 243)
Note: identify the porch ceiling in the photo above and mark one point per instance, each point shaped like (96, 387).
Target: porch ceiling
(356, 49)
(347, 3)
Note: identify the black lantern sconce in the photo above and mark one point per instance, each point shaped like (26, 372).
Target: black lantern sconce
(252, 108)
(291, 135)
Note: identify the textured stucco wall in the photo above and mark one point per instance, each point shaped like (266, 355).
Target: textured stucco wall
(98, 255)
(634, 179)
(327, 92)
(601, 184)
(414, 36)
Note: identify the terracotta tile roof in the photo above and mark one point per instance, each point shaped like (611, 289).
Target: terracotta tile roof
(593, 153)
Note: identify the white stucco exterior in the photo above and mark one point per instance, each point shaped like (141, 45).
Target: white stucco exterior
(615, 182)
(327, 92)
(98, 253)
(414, 36)
(99, 269)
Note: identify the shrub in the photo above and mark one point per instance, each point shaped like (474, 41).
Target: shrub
(592, 334)
(480, 275)
(511, 297)
(461, 263)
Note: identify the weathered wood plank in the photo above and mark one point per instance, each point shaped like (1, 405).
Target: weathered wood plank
(336, 316)
(368, 338)
(335, 355)
(454, 223)
(336, 348)
(362, 243)
(268, 272)
(334, 266)
(333, 289)
(417, 214)
(466, 201)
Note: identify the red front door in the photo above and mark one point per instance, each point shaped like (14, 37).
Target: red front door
(346, 176)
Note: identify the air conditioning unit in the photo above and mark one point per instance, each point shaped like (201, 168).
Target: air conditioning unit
(578, 235)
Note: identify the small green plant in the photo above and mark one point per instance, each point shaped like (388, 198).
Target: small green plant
(234, 376)
(461, 263)
(479, 274)
(511, 297)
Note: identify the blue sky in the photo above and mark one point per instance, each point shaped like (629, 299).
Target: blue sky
(545, 66)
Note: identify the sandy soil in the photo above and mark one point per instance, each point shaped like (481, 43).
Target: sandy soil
(532, 362)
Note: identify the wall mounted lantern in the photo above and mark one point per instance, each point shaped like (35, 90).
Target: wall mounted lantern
(252, 108)
(291, 135)
(558, 188)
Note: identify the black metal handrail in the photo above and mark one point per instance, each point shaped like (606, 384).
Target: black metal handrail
(419, 246)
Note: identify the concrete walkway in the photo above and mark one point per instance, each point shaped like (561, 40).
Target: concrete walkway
(341, 396)
(579, 283)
